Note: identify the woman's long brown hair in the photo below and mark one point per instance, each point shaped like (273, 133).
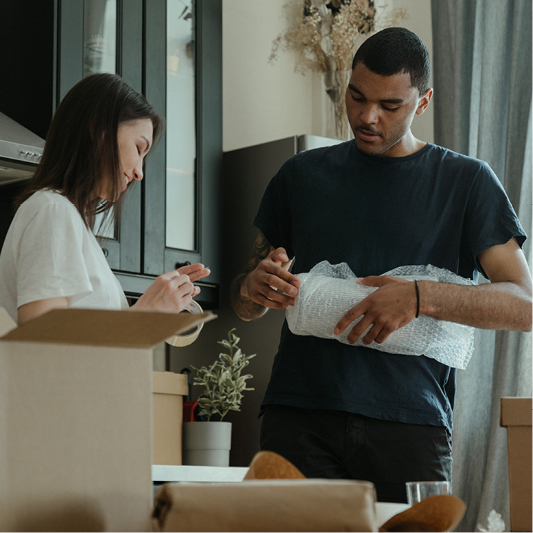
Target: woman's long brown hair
(81, 155)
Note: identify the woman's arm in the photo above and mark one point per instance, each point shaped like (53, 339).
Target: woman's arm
(170, 292)
(32, 310)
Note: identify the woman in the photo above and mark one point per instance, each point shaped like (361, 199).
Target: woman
(96, 145)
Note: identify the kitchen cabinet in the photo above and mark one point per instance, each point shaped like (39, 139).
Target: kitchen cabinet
(171, 51)
(162, 249)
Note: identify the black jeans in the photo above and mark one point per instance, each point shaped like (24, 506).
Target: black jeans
(339, 445)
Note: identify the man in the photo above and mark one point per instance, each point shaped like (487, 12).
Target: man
(383, 200)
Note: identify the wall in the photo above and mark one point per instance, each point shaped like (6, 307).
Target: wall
(263, 102)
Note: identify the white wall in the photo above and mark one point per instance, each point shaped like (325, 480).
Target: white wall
(263, 101)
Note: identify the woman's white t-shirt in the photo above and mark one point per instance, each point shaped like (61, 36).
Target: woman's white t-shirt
(49, 252)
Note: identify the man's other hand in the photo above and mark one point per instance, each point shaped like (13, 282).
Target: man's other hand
(392, 306)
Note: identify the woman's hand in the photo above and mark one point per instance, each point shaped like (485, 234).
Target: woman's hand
(173, 291)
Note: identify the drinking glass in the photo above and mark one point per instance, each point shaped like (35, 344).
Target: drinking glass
(418, 490)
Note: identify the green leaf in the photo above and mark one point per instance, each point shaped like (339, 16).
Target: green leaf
(222, 380)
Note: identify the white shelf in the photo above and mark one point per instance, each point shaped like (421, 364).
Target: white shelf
(207, 474)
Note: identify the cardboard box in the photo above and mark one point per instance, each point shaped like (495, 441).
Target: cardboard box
(168, 391)
(515, 415)
(267, 505)
(76, 419)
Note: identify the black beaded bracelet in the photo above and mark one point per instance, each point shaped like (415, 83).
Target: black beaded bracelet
(417, 300)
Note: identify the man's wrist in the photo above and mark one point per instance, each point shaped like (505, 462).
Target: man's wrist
(424, 296)
(243, 289)
(243, 305)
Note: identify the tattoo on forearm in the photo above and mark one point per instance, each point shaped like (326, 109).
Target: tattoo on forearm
(245, 308)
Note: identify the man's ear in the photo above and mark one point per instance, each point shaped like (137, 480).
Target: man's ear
(423, 102)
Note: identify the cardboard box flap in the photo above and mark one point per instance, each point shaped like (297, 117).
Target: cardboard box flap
(95, 327)
(170, 383)
(6, 322)
(515, 411)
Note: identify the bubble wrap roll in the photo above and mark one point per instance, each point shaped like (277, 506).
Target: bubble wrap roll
(327, 292)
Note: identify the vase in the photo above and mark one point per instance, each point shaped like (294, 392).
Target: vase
(206, 443)
(334, 118)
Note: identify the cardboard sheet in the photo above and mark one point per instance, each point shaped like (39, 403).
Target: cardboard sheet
(94, 327)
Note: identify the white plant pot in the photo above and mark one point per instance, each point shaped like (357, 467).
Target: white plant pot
(206, 443)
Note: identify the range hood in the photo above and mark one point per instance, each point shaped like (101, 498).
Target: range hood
(20, 151)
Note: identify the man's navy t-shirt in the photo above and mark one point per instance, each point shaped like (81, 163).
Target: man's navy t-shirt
(337, 204)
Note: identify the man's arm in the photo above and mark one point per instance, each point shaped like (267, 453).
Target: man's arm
(505, 303)
(265, 283)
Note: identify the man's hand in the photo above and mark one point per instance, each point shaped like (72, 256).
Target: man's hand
(503, 304)
(270, 284)
(266, 282)
(390, 307)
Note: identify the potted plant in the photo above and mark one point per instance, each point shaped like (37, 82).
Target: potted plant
(208, 442)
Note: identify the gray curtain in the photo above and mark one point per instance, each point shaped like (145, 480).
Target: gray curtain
(482, 81)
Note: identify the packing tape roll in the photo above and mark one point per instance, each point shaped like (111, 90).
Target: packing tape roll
(184, 340)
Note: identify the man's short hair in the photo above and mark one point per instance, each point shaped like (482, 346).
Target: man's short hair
(396, 50)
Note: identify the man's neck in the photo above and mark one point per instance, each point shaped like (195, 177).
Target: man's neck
(407, 145)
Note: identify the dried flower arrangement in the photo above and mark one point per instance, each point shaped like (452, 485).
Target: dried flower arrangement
(325, 34)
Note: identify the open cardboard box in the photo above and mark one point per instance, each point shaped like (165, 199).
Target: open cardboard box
(515, 415)
(76, 418)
